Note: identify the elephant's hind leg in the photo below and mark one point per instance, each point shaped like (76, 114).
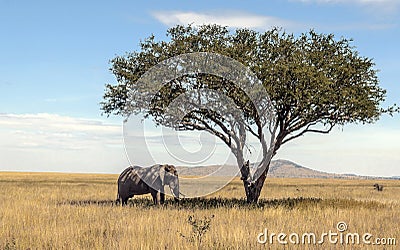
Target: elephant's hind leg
(125, 200)
(156, 197)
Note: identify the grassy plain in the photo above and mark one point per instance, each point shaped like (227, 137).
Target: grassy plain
(76, 211)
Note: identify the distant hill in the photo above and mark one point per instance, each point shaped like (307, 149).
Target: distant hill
(278, 169)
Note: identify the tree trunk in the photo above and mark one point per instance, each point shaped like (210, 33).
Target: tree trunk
(253, 188)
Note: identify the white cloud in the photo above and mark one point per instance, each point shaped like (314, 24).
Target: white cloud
(236, 19)
(233, 19)
(365, 150)
(57, 130)
(48, 142)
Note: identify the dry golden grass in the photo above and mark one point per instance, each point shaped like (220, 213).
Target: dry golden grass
(75, 211)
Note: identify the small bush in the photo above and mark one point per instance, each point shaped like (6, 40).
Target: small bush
(199, 228)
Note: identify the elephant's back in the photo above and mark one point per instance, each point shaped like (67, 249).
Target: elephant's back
(129, 173)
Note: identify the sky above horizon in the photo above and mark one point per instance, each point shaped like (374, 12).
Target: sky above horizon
(54, 63)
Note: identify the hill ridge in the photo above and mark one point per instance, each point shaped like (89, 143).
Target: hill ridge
(280, 168)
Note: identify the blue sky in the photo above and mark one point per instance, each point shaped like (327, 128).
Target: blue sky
(54, 60)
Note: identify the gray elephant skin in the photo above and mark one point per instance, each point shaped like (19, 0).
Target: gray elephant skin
(136, 180)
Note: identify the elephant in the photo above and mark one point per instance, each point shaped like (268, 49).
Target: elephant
(136, 180)
(378, 187)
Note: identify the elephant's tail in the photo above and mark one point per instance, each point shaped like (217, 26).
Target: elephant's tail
(118, 200)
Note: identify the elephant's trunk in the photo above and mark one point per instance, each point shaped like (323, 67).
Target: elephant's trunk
(176, 193)
(174, 186)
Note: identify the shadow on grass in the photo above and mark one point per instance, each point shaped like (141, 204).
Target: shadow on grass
(88, 203)
(214, 203)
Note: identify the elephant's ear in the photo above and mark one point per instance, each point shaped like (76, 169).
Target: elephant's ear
(150, 175)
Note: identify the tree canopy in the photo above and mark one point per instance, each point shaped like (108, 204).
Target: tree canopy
(314, 82)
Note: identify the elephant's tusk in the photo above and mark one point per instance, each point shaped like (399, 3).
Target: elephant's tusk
(180, 193)
(172, 192)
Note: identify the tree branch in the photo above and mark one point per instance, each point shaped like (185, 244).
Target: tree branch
(252, 131)
(307, 129)
(226, 138)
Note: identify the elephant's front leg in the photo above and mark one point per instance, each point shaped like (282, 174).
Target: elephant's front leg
(162, 198)
(156, 197)
(162, 195)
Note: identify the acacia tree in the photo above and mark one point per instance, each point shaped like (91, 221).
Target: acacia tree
(314, 82)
